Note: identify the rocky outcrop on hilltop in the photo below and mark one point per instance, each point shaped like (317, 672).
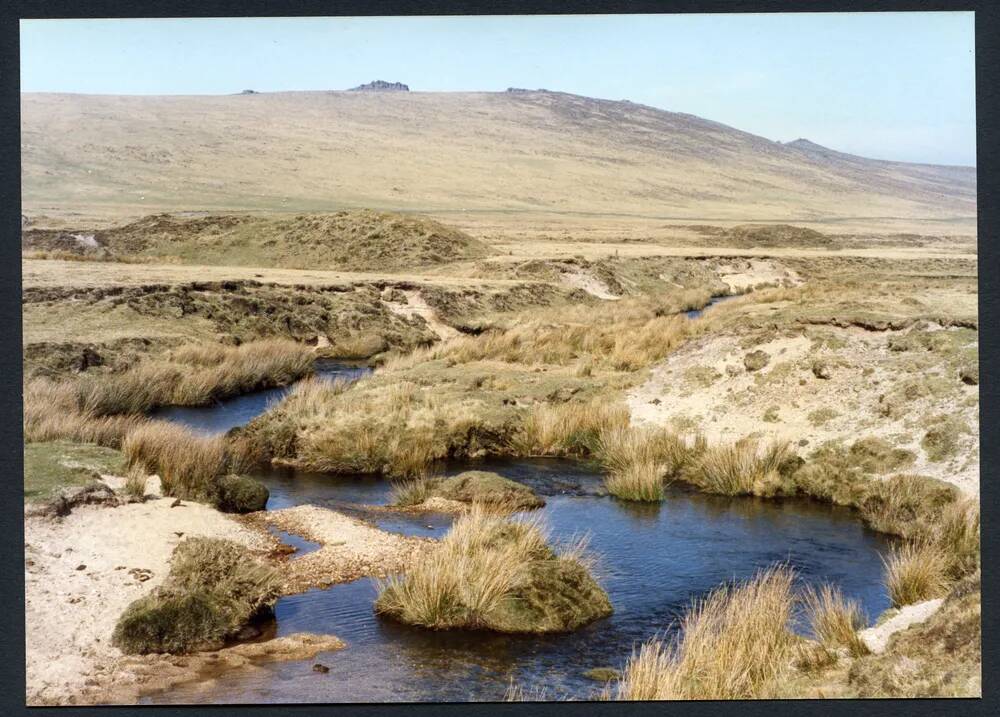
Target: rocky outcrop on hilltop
(381, 86)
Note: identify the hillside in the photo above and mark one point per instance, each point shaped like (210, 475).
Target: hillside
(521, 152)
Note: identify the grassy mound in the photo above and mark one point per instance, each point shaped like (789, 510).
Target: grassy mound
(357, 240)
(214, 589)
(479, 487)
(775, 235)
(493, 574)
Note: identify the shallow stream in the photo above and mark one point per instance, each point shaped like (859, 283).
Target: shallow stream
(654, 560)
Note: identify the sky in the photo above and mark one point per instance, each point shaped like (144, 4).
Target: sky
(887, 85)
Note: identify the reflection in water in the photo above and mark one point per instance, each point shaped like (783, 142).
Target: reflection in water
(653, 560)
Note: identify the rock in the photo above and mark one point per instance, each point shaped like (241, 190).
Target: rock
(756, 360)
(969, 375)
(94, 493)
(602, 674)
(821, 369)
(241, 494)
(381, 86)
(323, 669)
(177, 503)
(81, 566)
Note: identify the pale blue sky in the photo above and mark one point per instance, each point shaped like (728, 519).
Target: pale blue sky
(888, 85)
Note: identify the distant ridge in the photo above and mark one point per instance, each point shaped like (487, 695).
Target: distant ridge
(381, 86)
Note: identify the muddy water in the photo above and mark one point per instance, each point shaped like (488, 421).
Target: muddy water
(652, 559)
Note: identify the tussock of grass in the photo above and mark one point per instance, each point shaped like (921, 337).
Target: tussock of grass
(835, 620)
(735, 644)
(214, 588)
(957, 535)
(398, 429)
(906, 505)
(639, 461)
(568, 428)
(742, 468)
(916, 572)
(490, 573)
(135, 483)
(189, 465)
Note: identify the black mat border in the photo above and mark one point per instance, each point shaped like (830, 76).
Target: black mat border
(11, 526)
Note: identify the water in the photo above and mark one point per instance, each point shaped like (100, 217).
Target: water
(695, 313)
(240, 410)
(652, 559)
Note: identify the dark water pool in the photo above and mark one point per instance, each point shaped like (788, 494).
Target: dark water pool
(240, 410)
(653, 560)
(695, 313)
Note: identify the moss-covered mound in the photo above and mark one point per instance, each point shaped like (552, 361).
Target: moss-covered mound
(214, 589)
(357, 240)
(471, 487)
(241, 494)
(490, 573)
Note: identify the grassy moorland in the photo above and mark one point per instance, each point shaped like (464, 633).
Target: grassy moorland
(551, 320)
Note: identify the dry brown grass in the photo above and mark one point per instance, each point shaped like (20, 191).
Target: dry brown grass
(639, 461)
(189, 465)
(399, 428)
(957, 535)
(568, 428)
(624, 335)
(492, 573)
(742, 468)
(835, 620)
(915, 572)
(735, 644)
(194, 375)
(52, 413)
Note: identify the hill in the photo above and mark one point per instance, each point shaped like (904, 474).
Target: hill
(354, 240)
(522, 152)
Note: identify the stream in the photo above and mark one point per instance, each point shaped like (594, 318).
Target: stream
(653, 559)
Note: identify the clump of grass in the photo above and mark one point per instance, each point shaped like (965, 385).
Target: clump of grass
(214, 588)
(905, 505)
(742, 468)
(135, 483)
(957, 535)
(941, 441)
(568, 428)
(735, 644)
(639, 461)
(835, 620)
(916, 571)
(189, 465)
(490, 573)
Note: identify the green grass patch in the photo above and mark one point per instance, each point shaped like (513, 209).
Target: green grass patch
(53, 465)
